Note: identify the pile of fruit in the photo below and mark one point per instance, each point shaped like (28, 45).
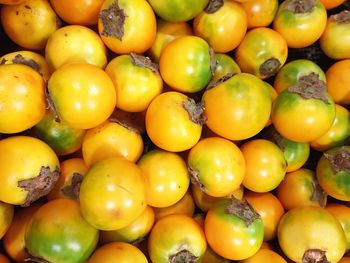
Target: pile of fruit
(174, 131)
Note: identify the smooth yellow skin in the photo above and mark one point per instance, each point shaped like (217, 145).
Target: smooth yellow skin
(204, 202)
(337, 133)
(297, 188)
(29, 55)
(310, 227)
(185, 206)
(126, 253)
(111, 139)
(6, 216)
(220, 165)
(30, 27)
(136, 86)
(211, 257)
(112, 194)
(338, 82)
(167, 32)
(173, 232)
(264, 255)
(224, 29)
(83, 94)
(139, 28)
(75, 44)
(168, 124)
(22, 98)
(265, 165)
(135, 231)
(167, 178)
(21, 158)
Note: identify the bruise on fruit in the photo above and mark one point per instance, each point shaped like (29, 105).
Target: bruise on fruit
(301, 6)
(195, 111)
(315, 256)
(342, 17)
(144, 62)
(310, 87)
(183, 256)
(213, 61)
(270, 67)
(51, 106)
(213, 6)
(113, 20)
(72, 190)
(19, 59)
(216, 82)
(243, 210)
(194, 177)
(36, 260)
(318, 195)
(339, 160)
(40, 185)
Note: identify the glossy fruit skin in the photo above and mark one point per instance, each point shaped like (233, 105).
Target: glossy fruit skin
(229, 236)
(260, 13)
(167, 32)
(335, 39)
(126, 253)
(75, 44)
(134, 232)
(14, 241)
(185, 64)
(329, 4)
(269, 208)
(111, 139)
(296, 154)
(300, 29)
(338, 84)
(81, 12)
(73, 241)
(230, 104)
(136, 86)
(22, 98)
(139, 27)
(291, 72)
(297, 189)
(83, 95)
(29, 27)
(223, 29)
(177, 10)
(166, 177)
(112, 194)
(258, 46)
(30, 58)
(168, 124)
(302, 120)
(342, 213)
(337, 133)
(185, 206)
(334, 183)
(265, 165)
(167, 238)
(224, 65)
(60, 136)
(70, 168)
(19, 162)
(6, 212)
(11, 2)
(265, 255)
(204, 202)
(319, 230)
(218, 165)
